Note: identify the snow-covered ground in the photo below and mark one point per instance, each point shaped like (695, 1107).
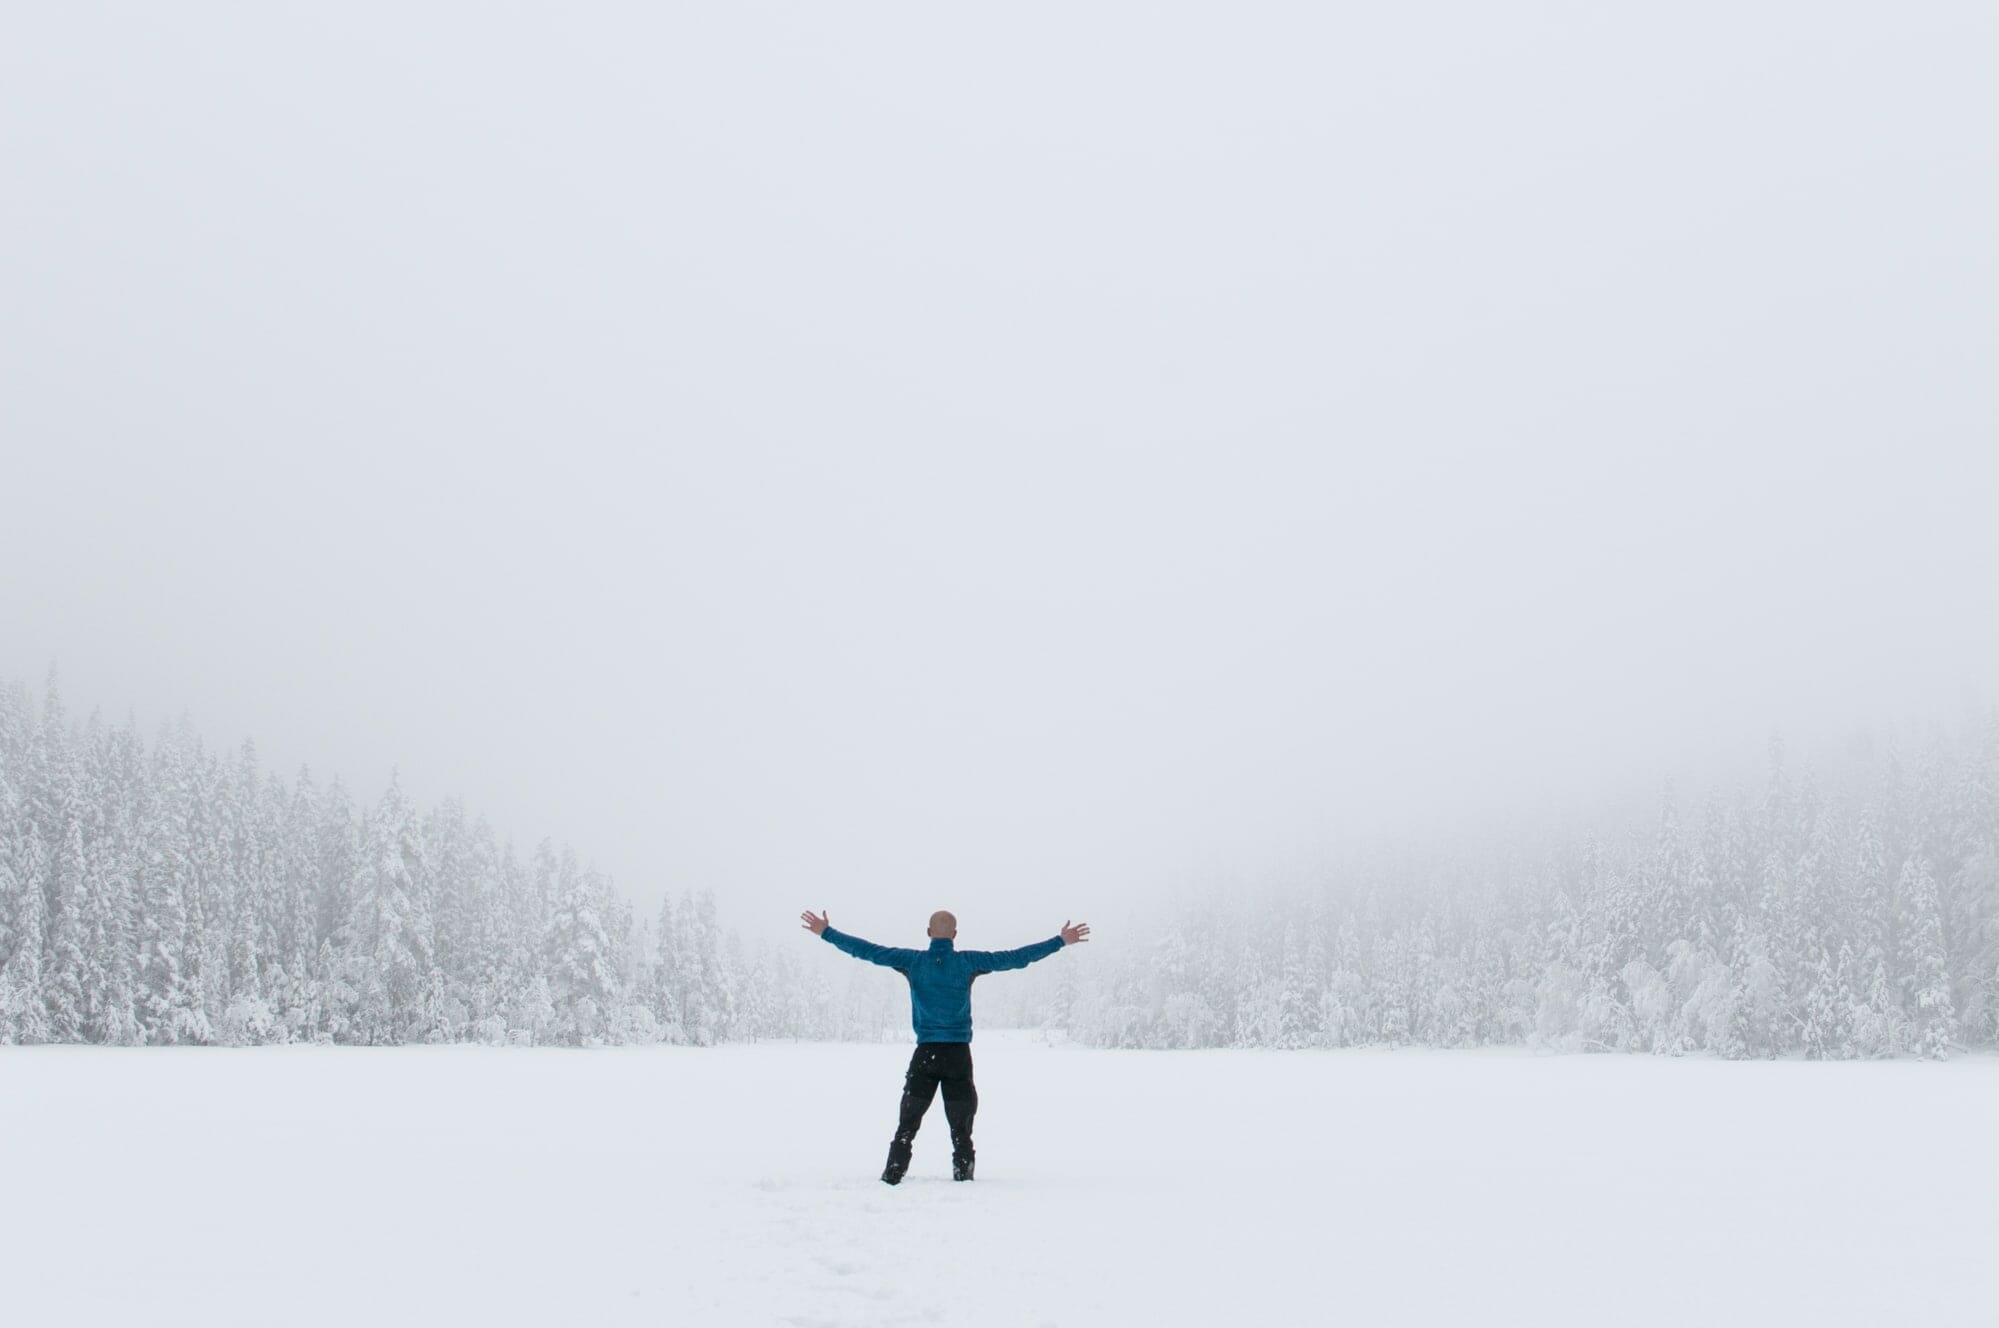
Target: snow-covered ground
(668, 1186)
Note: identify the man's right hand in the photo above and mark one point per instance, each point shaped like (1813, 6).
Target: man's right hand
(1075, 935)
(814, 922)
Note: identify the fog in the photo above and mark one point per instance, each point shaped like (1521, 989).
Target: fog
(885, 459)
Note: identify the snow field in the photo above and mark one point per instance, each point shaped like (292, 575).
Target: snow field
(736, 1185)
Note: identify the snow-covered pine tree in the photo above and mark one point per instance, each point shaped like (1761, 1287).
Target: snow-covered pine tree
(668, 982)
(23, 903)
(582, 971)
(388, 943)
(117, 776)
(708, 1000)
(529, 1011)
(58, 808)
(1924, 965)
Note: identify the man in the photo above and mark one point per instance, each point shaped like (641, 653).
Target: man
(940, 1005)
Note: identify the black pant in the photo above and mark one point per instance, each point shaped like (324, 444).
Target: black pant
(937, 1063)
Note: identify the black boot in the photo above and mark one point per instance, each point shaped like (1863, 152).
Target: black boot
(961, 1167)
(898, 1163)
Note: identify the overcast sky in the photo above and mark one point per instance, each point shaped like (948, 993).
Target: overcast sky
(1007, 459)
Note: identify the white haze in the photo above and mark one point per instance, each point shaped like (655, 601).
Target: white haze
(882, 458)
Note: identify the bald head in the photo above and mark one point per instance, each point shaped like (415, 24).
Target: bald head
(943, 926)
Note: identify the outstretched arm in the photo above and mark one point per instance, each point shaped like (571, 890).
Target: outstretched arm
(885, 955)
(997, 961)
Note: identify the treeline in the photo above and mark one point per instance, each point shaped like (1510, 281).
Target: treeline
(164, 894)
(1852, 921)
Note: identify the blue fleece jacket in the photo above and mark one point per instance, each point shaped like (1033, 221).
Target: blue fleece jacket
(940, 978)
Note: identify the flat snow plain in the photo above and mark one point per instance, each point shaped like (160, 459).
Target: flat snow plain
(737, 1185)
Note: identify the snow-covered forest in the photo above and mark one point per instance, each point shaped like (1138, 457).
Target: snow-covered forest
(164, 893)
(1854, 917)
